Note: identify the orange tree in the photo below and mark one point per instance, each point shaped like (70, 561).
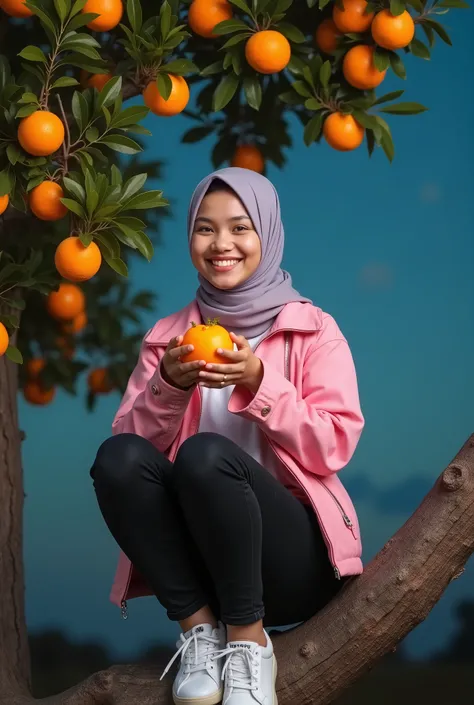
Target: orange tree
(74, 200)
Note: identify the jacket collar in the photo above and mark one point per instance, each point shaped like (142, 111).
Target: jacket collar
(295, 316)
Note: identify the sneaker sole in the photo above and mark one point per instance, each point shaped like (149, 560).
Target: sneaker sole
(212, 699)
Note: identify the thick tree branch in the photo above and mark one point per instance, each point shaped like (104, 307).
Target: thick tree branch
(318, 660)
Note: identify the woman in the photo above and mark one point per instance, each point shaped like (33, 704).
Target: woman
(220, 484)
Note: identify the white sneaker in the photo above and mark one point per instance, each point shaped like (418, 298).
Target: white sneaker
(199, 678)
(249, 673)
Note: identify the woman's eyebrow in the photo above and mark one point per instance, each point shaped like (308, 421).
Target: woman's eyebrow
(235, 217)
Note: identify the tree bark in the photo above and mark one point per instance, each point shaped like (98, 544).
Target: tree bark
(319, 659)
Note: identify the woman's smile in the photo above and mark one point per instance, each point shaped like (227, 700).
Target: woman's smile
(220, 264)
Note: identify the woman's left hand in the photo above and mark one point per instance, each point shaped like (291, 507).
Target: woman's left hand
(243, 368)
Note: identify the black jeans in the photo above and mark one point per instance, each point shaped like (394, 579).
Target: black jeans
(213, 528)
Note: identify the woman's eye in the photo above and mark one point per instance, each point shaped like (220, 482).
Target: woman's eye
(240, 228)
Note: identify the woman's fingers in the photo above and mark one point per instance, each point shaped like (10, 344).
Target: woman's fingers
(226, 369)
(186, 367)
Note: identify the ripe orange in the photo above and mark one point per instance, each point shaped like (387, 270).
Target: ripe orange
(75, 262)
(77, 324)
(15, 8)
(41, 133)
(36, 393)
(268, 51)
(109, 11)
(359, 69)
(327, 36)
(353, 17)
(176, 102)
(67, 350)
(4, 203)
(393, 31)
(206, 339)
(44, 201)
(66, 303)
(247, 156)
(35, 366)
(205, 14)
(95, 80)
(4, 339)
(343, 132)
(99, 382)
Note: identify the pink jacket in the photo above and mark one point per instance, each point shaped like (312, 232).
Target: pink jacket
(313, 422)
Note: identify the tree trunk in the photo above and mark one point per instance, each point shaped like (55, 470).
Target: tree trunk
(318, 660)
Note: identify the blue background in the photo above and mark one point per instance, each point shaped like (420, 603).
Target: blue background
(387, 250)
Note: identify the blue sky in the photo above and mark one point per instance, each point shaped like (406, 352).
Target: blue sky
(386, 249)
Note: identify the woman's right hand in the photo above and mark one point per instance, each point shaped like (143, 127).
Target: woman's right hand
(181, 374)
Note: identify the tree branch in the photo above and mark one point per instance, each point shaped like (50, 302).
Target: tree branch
(367, 619)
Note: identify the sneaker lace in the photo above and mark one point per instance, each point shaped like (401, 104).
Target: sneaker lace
(195, 651)
(240, 669)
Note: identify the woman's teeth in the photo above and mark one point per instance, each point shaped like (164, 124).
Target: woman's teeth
(225, 262)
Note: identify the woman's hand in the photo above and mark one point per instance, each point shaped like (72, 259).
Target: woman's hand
(243, 368)
(181, 374)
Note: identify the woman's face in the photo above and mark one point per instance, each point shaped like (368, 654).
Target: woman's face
(225, 248)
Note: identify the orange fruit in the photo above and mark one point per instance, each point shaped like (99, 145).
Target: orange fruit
(359, 69)
(95, 80)
(15, 8)
(4, 203)
(393, 31)
(206, 338)
(45, 203)
(99, 382)
(353, 17)
(268, 51)
(247, 156)
(67, 349)
(35, 366)
(66, 303)
(75, 262)
(343, 132)
(4, 339)
(205, 14)
(36, 393)
(110, 13)
(327, 36)
(77, 324)
(41, 133)
(176, 102)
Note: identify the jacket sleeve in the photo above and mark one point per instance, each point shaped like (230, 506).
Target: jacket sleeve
(151, 407)
(321, 430)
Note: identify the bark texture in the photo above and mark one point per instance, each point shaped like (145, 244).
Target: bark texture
(318, 660)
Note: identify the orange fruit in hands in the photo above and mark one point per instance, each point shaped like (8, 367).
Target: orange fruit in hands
(95, 80)
(359, 69)
(4, 339)
(327, 36)
(247, 156)
(177, 101)
(66, 303)
(77, 324)
(268, 51)
(353, 17)
(205, 14)
(206, 338)
(343, 132)
(36, 393)
(41, 133)
(15, 8)
(98, 381)
(110, 13)
(393, 31)
(45, 203)
(4, 203)
(76, 262)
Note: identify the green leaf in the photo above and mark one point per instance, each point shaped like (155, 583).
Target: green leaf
(65, 82)
(290, 98)
(5, 183)
(419, 49)
(417, 5)
(109, 92)
(129, 116)
(110, 242)
(212, 69)
(13, 154)
(325, 74)
(14, 354)
(92, 134)
(134, 14)
(115, 176)
(225, 91)
(229, 26)
(75, 207)
(165, 19)
(440, 31)
(381, 59)
(253, 91)
(164, 84)
(195, 134)
(92, 196)
(134, 184)
(388, 97)
(398, 67)
(26, 110)
(32, 53)
(301, 88)
(62, 8)
(313, 129)
(242, 5)
(74, 189)
(404, 109)
(296, 65)
(28, 98)
(138, 240)
(143, 201)
(397, 7)
(116, 264)
(80, 110)
(236, 39)
(77, 7)
(121, 143)
(313, 104)
(81, 20)
(291, 32)
(180, 67)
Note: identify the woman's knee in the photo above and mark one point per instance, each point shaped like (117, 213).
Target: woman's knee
(118, 460)
(199, 457)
